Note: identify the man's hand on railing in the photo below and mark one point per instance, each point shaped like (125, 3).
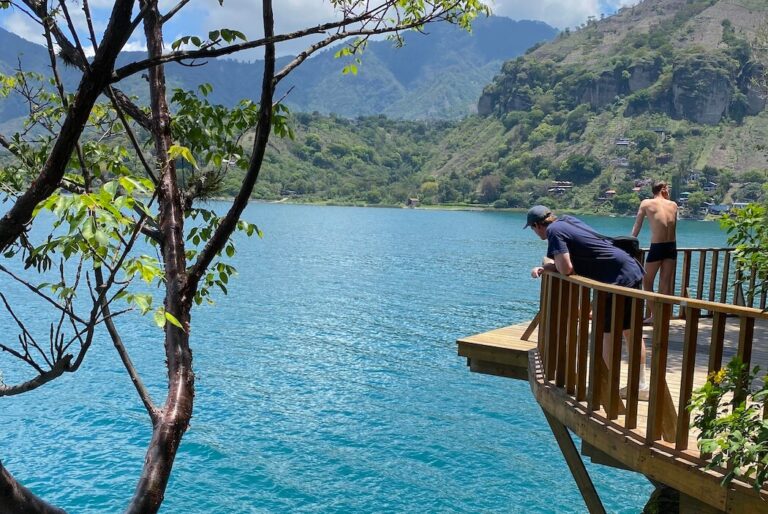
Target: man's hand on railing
(537, 271)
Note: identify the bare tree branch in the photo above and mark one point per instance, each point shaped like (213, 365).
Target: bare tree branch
(261, 138)
(176, 8)
(138, 66)
(39, 293)
(143, 392)
(18, 499)
(43, 378)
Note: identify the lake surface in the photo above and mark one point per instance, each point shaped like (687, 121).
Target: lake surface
(328, 380)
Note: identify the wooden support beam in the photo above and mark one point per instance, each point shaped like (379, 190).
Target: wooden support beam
(576, 465)
(531, 327)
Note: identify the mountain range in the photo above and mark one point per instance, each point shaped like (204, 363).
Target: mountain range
(437, 74)
(667, 89)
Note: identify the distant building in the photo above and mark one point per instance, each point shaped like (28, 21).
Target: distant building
(661, 131)
(412, 202)
(643, 182)
(623, 141)
(717, 210)
(609, 194)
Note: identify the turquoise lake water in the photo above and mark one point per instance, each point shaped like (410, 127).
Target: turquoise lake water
(328, 380)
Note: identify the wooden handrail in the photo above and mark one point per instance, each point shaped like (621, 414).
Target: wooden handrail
(571, 339)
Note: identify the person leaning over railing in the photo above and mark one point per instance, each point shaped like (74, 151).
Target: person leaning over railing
(576, 248)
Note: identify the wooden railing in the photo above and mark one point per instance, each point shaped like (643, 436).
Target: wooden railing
(712, 274)
(571, 337)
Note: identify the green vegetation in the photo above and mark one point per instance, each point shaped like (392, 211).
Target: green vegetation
(729, 415)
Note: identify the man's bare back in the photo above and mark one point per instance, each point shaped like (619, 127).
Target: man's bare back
(662, 216)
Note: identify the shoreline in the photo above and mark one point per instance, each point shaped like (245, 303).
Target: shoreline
(440, 207)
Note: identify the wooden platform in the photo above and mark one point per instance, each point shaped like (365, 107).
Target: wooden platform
(500, 352)
(504, 352)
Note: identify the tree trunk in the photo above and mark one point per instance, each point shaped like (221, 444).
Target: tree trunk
(175, 416)
(17, 499)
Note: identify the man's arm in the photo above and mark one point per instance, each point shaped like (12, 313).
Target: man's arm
(563, 263)
(538, 270)
(639, 220)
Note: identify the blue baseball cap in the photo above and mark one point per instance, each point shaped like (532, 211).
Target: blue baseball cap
(536, 214)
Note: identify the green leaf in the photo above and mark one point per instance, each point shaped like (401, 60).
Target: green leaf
(176, 151)
(160, 317)
(170, 317)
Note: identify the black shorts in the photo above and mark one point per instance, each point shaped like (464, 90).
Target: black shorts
(661, 251)
(626, 322)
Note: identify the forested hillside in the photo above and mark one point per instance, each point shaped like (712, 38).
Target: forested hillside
(669, 89)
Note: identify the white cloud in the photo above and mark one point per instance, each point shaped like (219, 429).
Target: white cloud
(199, 18)
(22, 26)
(558, 13)
(245, 16)
(135, 46)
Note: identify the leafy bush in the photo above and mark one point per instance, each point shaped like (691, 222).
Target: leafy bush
(733, 431)
(748, 234)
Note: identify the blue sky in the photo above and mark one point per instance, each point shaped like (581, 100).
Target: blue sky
(201, 16)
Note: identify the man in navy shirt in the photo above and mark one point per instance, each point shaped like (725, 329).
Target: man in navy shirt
(575, 248)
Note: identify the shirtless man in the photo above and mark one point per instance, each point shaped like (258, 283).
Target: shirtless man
(662, 215)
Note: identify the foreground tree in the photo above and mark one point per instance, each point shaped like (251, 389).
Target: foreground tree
(106, 168)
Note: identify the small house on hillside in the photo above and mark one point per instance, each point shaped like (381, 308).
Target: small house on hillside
(412, 202)
(719, 209)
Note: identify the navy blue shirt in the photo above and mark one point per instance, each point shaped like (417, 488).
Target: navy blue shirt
(591, 255)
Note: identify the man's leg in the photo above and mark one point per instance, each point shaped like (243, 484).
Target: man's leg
(651, 269)
(643, 383)
(667, 276)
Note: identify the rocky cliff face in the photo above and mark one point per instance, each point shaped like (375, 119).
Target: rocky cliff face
(703, 88)
(604, 90)
(689, 59)
(700, 93)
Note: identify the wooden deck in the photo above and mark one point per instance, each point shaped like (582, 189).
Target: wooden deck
(717, 312)
(503, 352)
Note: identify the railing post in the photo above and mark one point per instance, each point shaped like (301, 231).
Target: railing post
(635, 362)
(596, 365)
(686, 380)
(686, 279)
(700, 274)
(572, 344)
(726, 276)
(716, 342)
(562, 332)
(713, 276)
(746, 335)
(614, 371)
(658, 386)
(581, 364)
